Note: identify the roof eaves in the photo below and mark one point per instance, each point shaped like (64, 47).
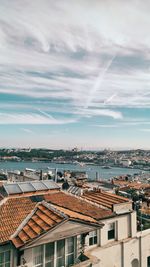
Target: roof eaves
(95, 224)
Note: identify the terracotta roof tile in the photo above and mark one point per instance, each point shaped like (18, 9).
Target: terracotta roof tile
(76, 215)
(12, 213)
(38, 223)
(78, 205)
(35, 218)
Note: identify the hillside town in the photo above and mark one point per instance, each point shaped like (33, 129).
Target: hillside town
(66, 219)
(107, 158)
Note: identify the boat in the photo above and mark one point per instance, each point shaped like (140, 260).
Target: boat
(106, 167)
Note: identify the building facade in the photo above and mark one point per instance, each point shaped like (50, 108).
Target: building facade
(50, 228)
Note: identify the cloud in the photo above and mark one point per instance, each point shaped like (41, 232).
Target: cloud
(27, 130)
(60, 51)
(31, 118)
(106, 125)
(145, 130)
(126, 123)
(100, 112)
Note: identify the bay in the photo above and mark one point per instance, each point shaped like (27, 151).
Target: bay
(90, 169)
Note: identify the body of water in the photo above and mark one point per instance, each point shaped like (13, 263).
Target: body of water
(90, 169)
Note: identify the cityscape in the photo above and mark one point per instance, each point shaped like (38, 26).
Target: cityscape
(74, 133)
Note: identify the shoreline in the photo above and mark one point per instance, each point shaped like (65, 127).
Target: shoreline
(76, 164)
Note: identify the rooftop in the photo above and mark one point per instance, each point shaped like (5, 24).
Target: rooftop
(77, 204)
(104, 199)
(12, 213)
(132, 184)
(27, 187)
(25, 216)
(42, 219)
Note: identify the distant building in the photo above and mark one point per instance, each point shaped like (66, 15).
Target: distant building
(125, 162)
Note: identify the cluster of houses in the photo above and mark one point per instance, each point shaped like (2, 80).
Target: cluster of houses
(42, 225)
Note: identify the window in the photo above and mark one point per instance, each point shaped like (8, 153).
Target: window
(57, 254)
(60, 253)
(111, 231)
(5, 259)
(38, 256)
(49, 255)
(135, 263)
(70, 250)
(148, 261)
(92, 238)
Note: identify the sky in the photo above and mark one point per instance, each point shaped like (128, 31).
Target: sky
(75, 74)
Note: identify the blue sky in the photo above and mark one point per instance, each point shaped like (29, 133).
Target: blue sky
(75, 73)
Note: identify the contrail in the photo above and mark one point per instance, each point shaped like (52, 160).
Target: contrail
(45, 114)
(110, 98)
(98, 82)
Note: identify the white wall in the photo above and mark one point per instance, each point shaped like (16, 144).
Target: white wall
(125, 226)
(122, 253)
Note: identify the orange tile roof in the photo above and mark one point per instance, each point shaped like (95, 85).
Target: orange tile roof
(12, 213)
(15, 211)
(132, 184)
(104, 199)
(76, 215)
(76, 204)
(41, 220)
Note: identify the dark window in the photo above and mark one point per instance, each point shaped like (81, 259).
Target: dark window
(111, 231)
(49, 255)
(92, 238)
(148, 261)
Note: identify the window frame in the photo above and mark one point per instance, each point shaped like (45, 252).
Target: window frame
(67, 254)
(42, 254)
(55, 258)
(6, 262)
(93, 238)
(111, 236)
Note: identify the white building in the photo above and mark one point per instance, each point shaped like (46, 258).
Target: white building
(44, 227)
(125, 162)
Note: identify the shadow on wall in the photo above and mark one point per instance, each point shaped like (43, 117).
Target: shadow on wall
(135, 263)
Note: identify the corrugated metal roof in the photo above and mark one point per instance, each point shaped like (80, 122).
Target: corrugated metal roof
(25, 187)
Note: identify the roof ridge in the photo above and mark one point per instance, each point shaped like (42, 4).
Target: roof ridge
(50, 206)
(3, 201)
(95, 221)
(87, 201)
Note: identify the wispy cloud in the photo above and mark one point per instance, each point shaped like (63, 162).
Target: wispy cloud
(31, 38)
(31, 118)
(28, 131)
(64, 52)
(106, 125)
(100, 112)
(145, 130)
(126, 123)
